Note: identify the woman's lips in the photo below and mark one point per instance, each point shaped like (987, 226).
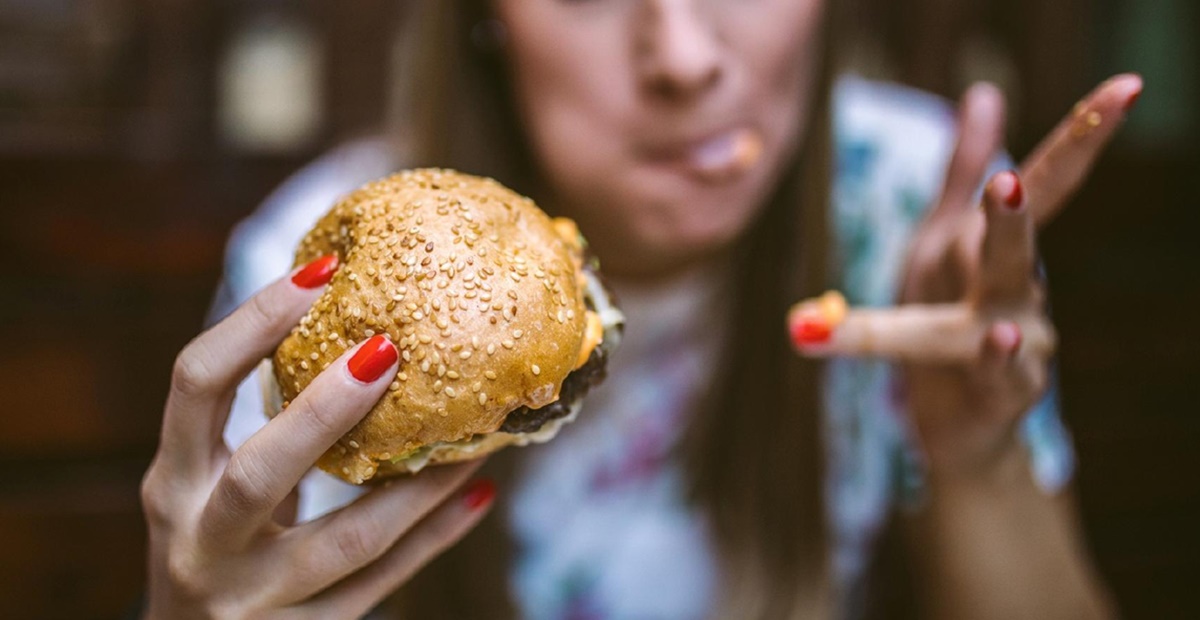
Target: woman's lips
(720, 157)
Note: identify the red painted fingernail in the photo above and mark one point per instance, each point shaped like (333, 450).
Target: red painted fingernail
(1016, 195)
(479, 493)
(375, 356)
(1013, 337)
(1016, 345)
(1133, 99)
(810, 331)
(317, 273)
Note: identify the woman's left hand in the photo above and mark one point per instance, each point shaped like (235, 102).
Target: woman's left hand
(972, 332)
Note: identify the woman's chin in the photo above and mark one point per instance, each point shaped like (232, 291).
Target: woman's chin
(662, 250)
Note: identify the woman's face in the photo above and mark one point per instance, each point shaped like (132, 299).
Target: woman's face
(661, 125)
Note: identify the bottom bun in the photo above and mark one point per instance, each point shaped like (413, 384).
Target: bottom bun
(476, 447)
(479, 446)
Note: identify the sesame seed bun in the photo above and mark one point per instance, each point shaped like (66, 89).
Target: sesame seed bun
(483, 295)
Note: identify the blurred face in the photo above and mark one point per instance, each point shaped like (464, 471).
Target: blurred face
(661, 125)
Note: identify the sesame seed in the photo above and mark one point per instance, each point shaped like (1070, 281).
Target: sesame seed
(491, 349)
(429, 247)
(425, 366)
(507, 344)
(451, 374)
(441, 370)
(451, 392)
(518, 333)
(394, 386)
(353, 444)
(437, 386)
(490, 375)
(535, 369)
(464, 355)
(483, 398)
(304, 365)
(403, 376)
(314, 356)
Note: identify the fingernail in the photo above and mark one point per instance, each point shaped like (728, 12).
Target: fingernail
(810, 330)
(479, 493)
(1010, 337)
(372, 359)
(1016, 194)
(1133, 99)
(317, 273)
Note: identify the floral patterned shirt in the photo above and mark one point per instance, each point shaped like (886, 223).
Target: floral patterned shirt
(601, 528)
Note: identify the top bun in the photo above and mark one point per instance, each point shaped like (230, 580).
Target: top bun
(481, 292)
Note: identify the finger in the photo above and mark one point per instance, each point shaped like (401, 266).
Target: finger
(1010, 380)
(431, 537)
(927, 334)
(286, 511)
(1063, 160)
(262, 472)
(343, 542)
(210, 367)
(980, 134)
(1001, 343)
(1009, 249)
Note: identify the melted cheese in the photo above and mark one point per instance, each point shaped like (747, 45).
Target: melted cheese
(569, 231)
(593, 335)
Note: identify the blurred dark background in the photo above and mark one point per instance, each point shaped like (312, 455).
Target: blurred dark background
(135, 133)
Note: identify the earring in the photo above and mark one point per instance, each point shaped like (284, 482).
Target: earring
(489, 35)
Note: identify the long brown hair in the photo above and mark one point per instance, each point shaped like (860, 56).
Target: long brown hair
(754, 453)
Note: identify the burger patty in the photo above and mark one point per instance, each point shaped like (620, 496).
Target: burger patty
(574, 387)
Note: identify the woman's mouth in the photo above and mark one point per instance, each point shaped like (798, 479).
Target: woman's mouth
(717, 158)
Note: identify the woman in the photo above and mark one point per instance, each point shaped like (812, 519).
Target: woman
(695, 144)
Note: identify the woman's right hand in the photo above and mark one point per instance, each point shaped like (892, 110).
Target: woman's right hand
(216, 549)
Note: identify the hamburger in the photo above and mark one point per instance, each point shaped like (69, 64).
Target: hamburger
(498, 312)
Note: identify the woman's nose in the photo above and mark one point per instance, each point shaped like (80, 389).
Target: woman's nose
(678, 52)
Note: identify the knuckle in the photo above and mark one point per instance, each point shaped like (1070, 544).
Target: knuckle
(185, 576)
(242, 484)
(190, 375)
(155, 505)
(358, 543)
(265, 314)
(324, 411)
